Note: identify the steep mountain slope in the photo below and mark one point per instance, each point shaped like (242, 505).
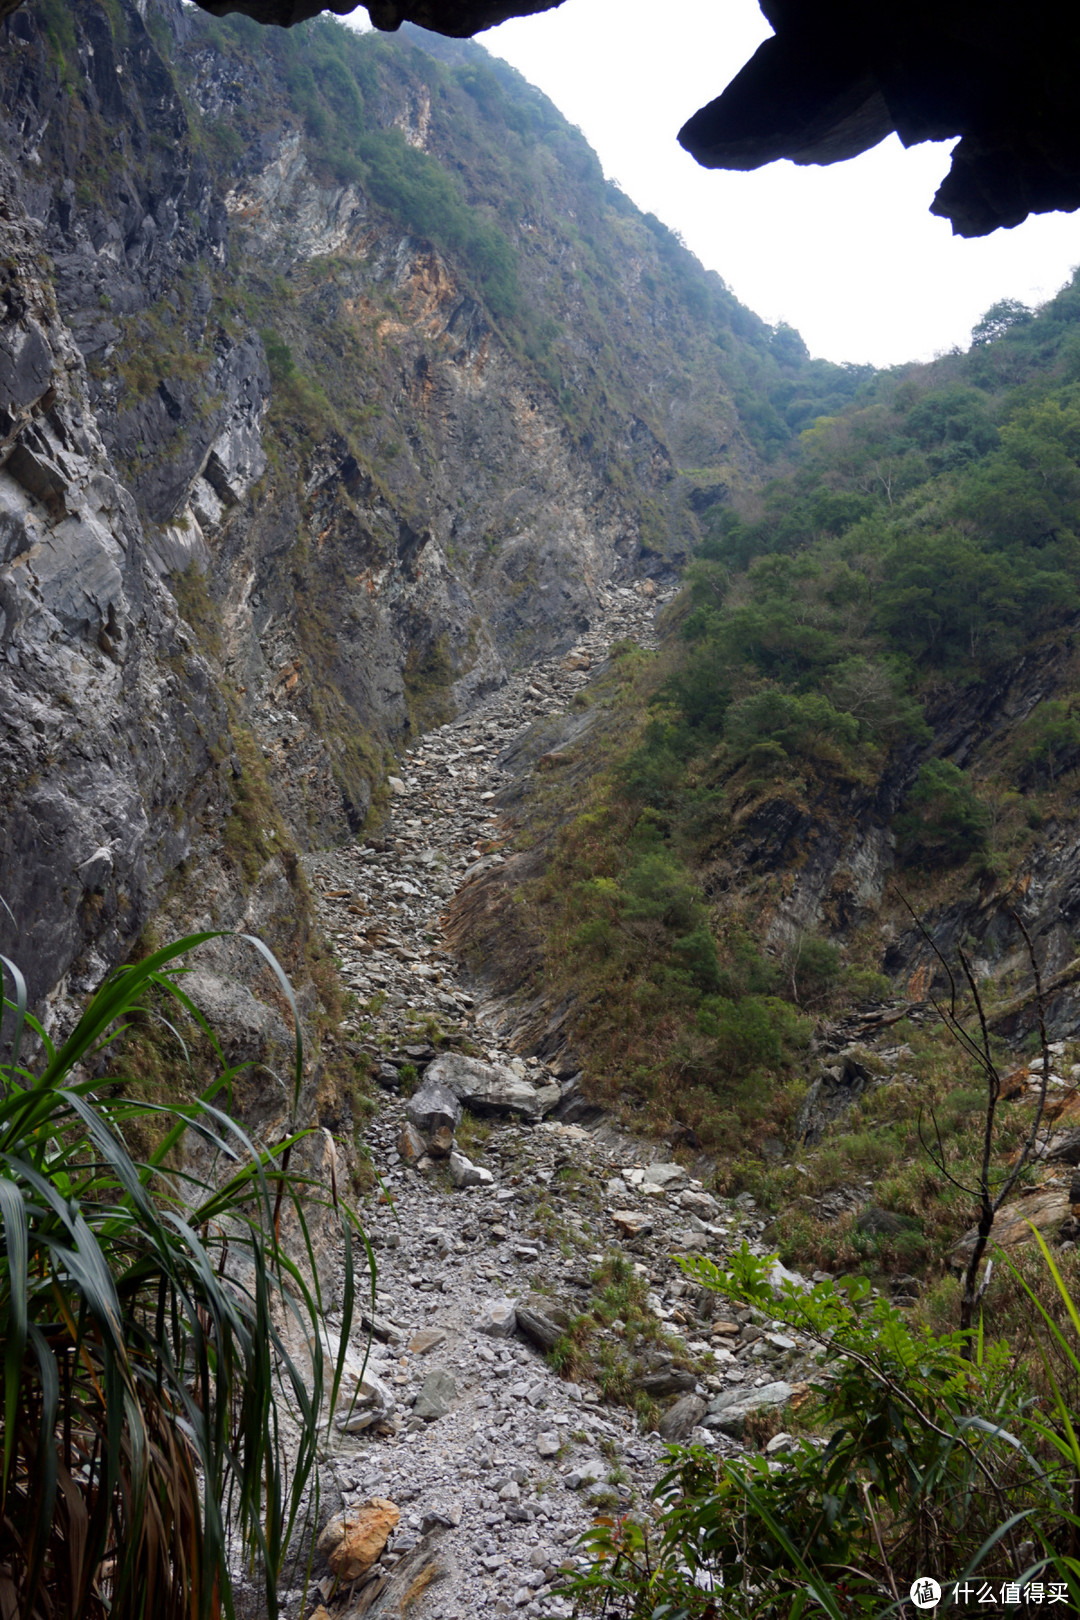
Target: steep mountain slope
(387, 390)
(860, 735)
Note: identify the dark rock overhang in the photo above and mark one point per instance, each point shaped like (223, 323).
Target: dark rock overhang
(459, 19)
(840, 75)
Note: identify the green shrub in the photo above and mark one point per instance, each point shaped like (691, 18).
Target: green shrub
(278, 357)
(748, 1034)
(916, 1467)
(1049, 738)
(696, 952)
(814, 968)
(656, 888)
(943, 822)
(799, 724)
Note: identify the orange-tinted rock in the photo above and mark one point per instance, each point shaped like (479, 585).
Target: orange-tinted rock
(352, 1543)
(411, 1144)
(1043, 1208)
(441, 1142)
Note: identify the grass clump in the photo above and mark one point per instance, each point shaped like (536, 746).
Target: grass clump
(146, 1372)
(588, 1350)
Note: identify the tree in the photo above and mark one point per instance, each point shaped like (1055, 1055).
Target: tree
(999, 319)
(1049, 737)
(988, 1195)
(943, 822)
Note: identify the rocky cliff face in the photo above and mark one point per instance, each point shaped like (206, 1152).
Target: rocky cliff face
(286, 478)
(115, 747)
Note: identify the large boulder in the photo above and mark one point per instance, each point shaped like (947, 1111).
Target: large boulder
(665, 1177)
(538, 1326)
(433, 1107)
(573, 1107)
(668, 1381)
(680, 1420)
(463, 1173)
(1046, 1209)
(484, 1088)
(430, 1564)
(729, 1411)
(1062, 1148)
(701, 1204)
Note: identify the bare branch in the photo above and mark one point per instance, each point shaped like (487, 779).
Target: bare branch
(938, 1159)
(1028, 1149)
(917, 920)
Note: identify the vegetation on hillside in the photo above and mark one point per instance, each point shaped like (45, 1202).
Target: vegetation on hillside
(578, 281)
(908, 1460)
(913, 547)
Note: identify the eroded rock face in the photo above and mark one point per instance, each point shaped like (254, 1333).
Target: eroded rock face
(114, 738)
(832, 83)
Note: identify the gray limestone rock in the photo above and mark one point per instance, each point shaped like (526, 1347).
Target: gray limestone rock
(498, 1319)
(589, 1472)
(667, 1176)
(1062, 1148)
(679, 1420)
(573, 1107)
(668, 1381)
(437, 1394)
(374, 1402)
(433, 1106)
(463, 1173)
(538, 1327)
(698, 1203)
(729, 1411)
(429, 1567)
(484, 1088)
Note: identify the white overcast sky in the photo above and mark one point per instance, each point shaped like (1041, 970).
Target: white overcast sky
(849, 254)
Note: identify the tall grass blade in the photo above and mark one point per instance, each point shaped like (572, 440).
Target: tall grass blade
(142, 1325)
(17, 1249)
(18, 1007)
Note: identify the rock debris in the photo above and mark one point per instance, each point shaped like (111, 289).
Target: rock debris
(496, 1463)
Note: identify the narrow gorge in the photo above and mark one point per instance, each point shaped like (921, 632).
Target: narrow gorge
(633, 738)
